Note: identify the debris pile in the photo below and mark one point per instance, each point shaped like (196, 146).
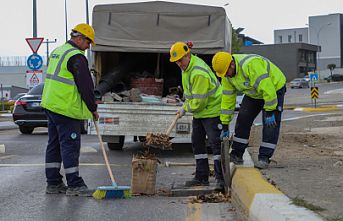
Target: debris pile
(211, 198)
(158, 140)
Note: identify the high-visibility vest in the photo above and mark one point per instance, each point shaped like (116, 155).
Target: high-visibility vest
(202, 89)
(60, 93)
(256, 77)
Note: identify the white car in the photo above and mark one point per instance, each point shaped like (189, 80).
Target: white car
(239, 99)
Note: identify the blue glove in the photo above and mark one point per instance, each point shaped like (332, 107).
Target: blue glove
(269, 119)
(225, 131)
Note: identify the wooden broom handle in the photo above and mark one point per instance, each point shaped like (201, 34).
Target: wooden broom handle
(172, 124)
(104, 152)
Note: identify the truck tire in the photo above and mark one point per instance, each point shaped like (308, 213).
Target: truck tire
(117, 146)
(26, 129)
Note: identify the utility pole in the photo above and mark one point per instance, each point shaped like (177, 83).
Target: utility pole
(88, 50)
(34, 18)
(47, 42)
(66, 18)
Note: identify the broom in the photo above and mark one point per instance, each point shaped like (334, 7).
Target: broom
(114, 191)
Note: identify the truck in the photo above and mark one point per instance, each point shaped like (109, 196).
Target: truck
(132, 51)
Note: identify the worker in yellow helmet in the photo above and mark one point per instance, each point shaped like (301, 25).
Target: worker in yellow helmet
(202, 91)
(68, 100)
(263, 85)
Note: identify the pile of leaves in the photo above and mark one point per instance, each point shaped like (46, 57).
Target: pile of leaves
(211, 198)
(158, 140)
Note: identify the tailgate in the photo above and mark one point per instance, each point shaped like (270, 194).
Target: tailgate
(137, 119)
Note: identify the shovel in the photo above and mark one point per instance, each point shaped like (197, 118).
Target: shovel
(160, 140)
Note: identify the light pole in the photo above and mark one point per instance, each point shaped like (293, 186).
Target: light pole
(34, 17)
(66, 18)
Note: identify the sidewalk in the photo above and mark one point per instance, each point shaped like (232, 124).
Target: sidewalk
(257, 200)
(6, 121)
(309, 166)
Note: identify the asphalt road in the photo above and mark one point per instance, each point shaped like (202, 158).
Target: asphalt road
(22, 183)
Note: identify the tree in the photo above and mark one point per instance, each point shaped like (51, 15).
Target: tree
(331, 67)
(236, 41)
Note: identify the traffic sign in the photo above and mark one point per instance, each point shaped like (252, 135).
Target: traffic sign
(34, 78)
(314, 92)
(34, 62)
(314, 76)
(34, 43)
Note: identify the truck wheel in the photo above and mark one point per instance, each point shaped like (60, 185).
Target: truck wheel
(26, 130)
(117, 146)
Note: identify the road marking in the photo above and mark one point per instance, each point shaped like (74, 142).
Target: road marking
(193, 212)
(6, 157)
(88, 150)
(2, 148)
(43, 165)
(300, 117)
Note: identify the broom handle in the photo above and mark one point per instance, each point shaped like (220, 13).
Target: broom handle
(172, 124)
(104, 152)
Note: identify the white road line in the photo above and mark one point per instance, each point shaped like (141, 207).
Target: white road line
(2, 148)
(299, 117)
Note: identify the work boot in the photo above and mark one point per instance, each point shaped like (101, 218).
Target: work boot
(220, 184)
(55, 189)
(236, 159)
(196, 182)
(79, 191)
(262, 163)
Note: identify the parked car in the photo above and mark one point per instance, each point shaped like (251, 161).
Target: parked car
(307, 78)
(28, 114)
(299, 83)
(239, 99)
(14, 99)
(334, 77)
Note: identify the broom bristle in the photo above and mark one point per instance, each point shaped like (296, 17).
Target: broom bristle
(110, 194)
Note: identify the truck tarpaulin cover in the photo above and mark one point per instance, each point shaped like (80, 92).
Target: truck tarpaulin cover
(155, 26)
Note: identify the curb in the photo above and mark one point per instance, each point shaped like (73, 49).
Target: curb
(324, 108)
(257, 200)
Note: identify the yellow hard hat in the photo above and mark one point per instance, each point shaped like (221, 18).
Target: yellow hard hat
(220, 63)
(178, 50)
(85, 30)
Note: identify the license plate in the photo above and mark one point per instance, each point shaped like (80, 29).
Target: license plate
(35, 104)
(182, 127)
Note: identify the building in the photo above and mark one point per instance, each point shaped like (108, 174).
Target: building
(294, 59)
(294, 35)
(323, 30)
(327, 31)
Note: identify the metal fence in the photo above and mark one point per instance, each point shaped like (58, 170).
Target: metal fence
(16, 60)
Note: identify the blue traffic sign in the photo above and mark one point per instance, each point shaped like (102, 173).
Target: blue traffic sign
(314, 76)
(34, 62)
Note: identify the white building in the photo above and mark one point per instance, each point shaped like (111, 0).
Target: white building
(324, 31)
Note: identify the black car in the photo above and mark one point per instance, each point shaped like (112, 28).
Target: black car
(334, 77)
(28, 114)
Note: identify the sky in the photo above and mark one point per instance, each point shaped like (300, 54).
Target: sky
(258, 18)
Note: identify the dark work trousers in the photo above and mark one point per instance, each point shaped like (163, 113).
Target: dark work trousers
(248, 111)
(63, 146)
(211, 128)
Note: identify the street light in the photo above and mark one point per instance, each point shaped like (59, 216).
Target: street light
(66, 18)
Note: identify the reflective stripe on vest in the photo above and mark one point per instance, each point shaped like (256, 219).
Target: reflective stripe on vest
(58, 69)
(201, 96)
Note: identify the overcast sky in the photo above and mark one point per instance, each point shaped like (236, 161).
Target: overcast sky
(259, 18)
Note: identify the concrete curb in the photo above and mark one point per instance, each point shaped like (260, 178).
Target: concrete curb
(257, 200)
(324, 108)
